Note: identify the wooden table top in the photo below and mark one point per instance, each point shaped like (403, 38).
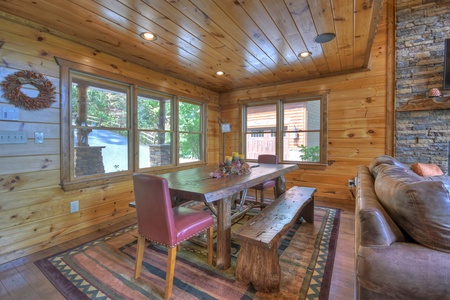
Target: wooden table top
(197, 184)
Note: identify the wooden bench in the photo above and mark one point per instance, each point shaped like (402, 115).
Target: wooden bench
(257, 261)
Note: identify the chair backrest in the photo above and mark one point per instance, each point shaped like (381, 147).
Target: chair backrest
(154, 208)
(268, 159)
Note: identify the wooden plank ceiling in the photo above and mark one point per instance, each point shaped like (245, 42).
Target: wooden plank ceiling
(255, 42)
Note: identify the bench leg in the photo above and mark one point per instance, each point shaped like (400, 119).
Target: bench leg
(308, 212)
(259, 266)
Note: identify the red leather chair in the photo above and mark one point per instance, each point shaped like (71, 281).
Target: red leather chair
(269, 184)
(160, 223)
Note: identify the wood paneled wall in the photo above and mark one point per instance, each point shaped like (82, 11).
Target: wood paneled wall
(357, 115)
(34, 210)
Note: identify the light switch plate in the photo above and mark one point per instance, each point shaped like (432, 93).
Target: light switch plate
(9, 113)
(13, 137)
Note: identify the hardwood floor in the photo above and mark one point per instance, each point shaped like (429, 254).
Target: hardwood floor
(22, 280)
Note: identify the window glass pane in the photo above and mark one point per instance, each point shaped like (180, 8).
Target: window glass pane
(155, 149)
(304, 146)
(302, 131)
(190, 147)
(261, 130)
(304, 115)
(189, 117)
(190, 132)
(97, 104)
(106, 151)
(154, 112)
(264, 143)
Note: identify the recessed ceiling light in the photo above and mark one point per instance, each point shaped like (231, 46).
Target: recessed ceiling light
(324, 37)
(304, 54)
(220, 73)
(148, 36)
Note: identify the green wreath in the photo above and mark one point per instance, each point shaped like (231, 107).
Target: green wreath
(12, 90)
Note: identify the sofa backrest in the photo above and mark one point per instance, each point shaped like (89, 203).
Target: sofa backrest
(386, 160)
(419, 205)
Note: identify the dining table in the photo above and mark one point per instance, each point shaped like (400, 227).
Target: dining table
(198, 184)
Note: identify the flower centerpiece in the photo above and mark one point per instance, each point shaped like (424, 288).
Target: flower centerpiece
(233, 165)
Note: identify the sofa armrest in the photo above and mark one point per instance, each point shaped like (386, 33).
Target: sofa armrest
(374, 227)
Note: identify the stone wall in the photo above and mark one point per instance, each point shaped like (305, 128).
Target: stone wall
(88, 161)
(421, 29)
(160, 155)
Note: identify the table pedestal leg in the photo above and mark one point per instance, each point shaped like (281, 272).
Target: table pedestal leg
(224, 233)
(280, 186)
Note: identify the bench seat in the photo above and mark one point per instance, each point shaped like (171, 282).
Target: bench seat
(257, 261)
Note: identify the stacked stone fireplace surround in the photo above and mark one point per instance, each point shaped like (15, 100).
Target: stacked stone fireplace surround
(421, 29)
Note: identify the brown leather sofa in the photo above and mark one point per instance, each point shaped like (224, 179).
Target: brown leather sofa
(402, 233)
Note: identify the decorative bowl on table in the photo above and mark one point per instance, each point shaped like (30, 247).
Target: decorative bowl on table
(235, 168)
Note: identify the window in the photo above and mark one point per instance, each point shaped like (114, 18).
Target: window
(293, 129)
(100, 125)
(190, 131)
(116, 126)
(155, 129)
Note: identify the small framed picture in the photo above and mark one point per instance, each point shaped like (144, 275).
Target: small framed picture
(226, 127)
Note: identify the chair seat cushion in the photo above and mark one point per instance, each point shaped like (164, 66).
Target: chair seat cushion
(264, 186)
(189, 222)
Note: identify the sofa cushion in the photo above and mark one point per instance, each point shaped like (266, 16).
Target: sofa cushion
(420, 206)
(426, 170)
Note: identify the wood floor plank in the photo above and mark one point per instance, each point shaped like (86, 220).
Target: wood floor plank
(40, 284)
(4, 293)
(16, 286)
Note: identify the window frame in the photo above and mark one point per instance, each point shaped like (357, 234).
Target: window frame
(68, 182)
(322, 96)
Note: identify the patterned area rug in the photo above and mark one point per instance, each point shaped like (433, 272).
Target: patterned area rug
(104, 268)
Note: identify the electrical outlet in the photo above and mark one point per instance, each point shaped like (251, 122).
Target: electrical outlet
(74, 206)
(38, 137)
(13, 137)
(351, 183)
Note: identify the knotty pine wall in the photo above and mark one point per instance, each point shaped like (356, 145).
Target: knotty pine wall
(34, 210)
(358, 105)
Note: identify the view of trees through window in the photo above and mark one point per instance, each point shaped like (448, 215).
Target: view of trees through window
(155, 129)
(103, 134)
(190, 128)
(100, 124)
